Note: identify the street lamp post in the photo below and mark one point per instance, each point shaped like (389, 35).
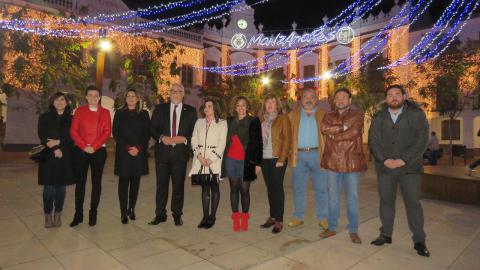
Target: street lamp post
(104, 45)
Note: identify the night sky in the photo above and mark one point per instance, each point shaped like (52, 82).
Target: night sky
(279, 14)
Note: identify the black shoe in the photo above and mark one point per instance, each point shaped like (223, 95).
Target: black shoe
(421, 249)
(210, 222)
(178, 220)
(92, 217)
(157, 220)
(77, 219)
(124, 218)
(381, 240)
(203, 223)
(269, 223)
(131, 213)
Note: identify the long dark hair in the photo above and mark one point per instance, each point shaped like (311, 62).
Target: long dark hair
(51, 108)
(216, 108)
(138, 106)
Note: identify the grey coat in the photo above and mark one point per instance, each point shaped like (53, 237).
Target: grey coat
(406, 139)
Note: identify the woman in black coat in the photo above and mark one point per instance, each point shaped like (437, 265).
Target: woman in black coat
(131, 127)
(57, 170)
(242, 159)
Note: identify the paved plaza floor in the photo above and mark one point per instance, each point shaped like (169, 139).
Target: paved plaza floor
(453, 232)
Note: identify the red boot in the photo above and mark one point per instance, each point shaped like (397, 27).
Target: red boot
(236, 221)
(244, 221)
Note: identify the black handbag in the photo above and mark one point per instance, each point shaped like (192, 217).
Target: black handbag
(202, 178)
(39, 153)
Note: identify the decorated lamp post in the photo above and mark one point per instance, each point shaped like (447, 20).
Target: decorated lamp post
(104, 45)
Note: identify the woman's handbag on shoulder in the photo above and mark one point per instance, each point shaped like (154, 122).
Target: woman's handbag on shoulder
(38, 153)
(202, 178)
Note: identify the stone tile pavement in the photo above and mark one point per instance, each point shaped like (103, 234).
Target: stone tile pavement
(453, 232)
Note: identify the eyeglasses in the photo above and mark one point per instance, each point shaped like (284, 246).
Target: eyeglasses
(176, 92)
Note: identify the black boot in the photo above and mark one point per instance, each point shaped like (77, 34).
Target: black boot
(124, 218)
(210, 222)
(203, 223)
(381, 240)
(77, 219)
(421, 249)
(131, 213)
(92, 217)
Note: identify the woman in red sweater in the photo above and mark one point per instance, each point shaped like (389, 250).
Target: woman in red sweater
(90, 130)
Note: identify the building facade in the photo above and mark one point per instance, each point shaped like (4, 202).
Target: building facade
(212, 47)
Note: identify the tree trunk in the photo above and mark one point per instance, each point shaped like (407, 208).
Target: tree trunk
(451, 141)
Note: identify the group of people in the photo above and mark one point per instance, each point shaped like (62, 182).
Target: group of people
(324, 146)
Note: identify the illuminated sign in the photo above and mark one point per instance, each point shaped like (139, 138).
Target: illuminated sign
(344, 35)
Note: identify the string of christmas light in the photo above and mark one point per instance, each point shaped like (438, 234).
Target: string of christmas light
(450, 36)
(138, 26)
(448, 14)
(467, 9)
(88, 33)
(381, 33)
(169, 28)
(147, 12)
(252, 64)
(178, 19)
(436, 30)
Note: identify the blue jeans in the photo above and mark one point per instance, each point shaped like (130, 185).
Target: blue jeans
(53, 195)
(337, 181)
(309, 163)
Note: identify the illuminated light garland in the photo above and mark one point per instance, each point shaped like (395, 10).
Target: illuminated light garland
(147, 12)
(452, 33)
(466, 10)
(447, 15)
(248, 64)
(384, 30)
(435, 32)
(251, 64)
(112, 32)
(178, 19)
(383, 34)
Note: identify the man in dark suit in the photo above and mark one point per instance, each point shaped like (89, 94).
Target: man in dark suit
(172, 127)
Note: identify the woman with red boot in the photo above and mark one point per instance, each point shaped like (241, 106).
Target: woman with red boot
(243, 156)
(90, 130)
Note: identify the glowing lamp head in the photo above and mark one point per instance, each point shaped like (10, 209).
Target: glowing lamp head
(327, 75)
(265, 81)
(105, 45)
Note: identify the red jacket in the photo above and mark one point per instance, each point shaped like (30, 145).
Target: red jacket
(90, 127)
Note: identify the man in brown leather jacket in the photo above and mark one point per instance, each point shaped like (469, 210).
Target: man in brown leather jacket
(344, 161)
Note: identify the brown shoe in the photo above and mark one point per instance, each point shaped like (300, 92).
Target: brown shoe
(269, 223)
(323, 224)
(327, 234)
(277, 227)
(355, 238)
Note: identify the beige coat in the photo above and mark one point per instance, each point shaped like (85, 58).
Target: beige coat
(211, 145)
(295, 122)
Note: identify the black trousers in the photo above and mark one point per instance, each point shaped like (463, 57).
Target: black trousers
(128, 187)
(410, 186)
(96, 163)
(170, 163)
(273, 177)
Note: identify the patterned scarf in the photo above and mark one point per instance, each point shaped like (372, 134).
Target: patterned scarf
(267, 126)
